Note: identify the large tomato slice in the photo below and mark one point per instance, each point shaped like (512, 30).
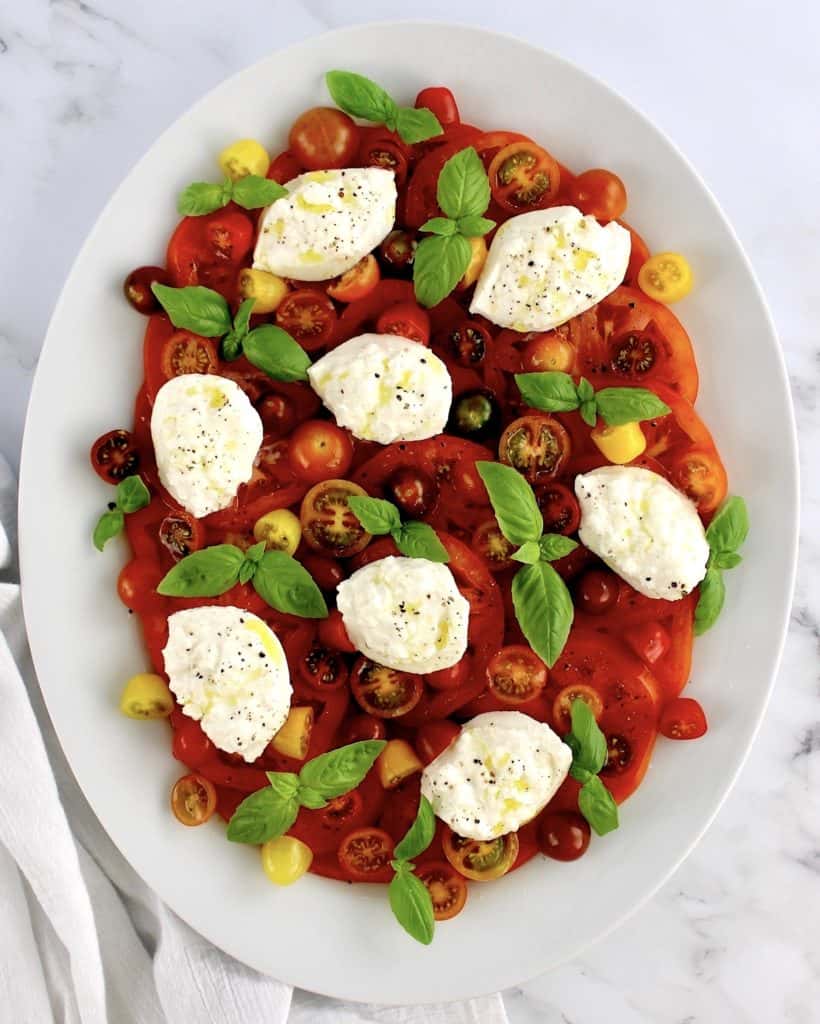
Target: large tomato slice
(210, 250)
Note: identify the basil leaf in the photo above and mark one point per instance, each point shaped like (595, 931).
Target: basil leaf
(264, 815)
(376, 515)
(589, 412)
(273, 351)
(287, 586)
(710, 602)
(231, 347)
(597, 805)
(730, 527)
(543, 608)
(551, 391)
(514, 504)
(108, 525)
(338, 771)
(463, 189)
(311, 798)
(420, 834)
(475, 227)
(361, 97)
(419, 540)
(586, 392)
(629, 405)
(438, 266)
(202, 197)
(416, 125)
(439, 226)
(243, 317)
(726, 560)
(132, 494)
(255, 552)
(195, 308)
(284, 784)
(246, 571)
(253, 191)
(528, 553)
(206, 573)
(412, 906)
(554, 545)
(587, 742)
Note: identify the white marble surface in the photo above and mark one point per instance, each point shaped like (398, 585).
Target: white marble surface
(86, 85)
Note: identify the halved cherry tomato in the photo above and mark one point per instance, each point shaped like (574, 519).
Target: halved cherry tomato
(319, 450)
(480, 860)
(596, 591)
(115, 456)
(536, 445)
(137, 288)
(308, 316)
(408, 320)
(549, 351)
(381, 148)
(524, 177)
(562, 705)
(328, 524)
(364, 727)
(666, 277)
(516, 674)
(365, 855)
(599, 193)
(683, 719)
(398, 251)
(342, 812)
(649, 640)
(185, 352)
(190, 746)
(563, 835)
(193, 800)
(447, 889)
(413, 490)
(469, 343)
(332, 633)
(327, 572)
(137, 584)
(489, 542)
(559, 507)
(284, 168)
(699, 473)
(209, 250)
(434, 737)
(180, 534)
(322, 668)
(324, 138)
(285, 406)
(384, 692)
(489, 143)
(357, 282)
(440, 101)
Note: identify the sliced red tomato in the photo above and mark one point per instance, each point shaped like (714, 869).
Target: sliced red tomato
(638, 255)
(683, 719)
(209, 250)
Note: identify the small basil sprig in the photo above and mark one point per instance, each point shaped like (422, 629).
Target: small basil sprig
(206, 312)
(250, 192)
(589, 755)
(270, 812)
(725, 534)
(131, 495)
(541, 600)
(410, 899)
(361, 97)
(554, 391)
(413, 539)
(463, 193)
(277, 578)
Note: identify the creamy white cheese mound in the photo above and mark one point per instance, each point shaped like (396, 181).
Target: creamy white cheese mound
(548, 266)
(405, 613)
(229, 672)
(327, 223)
(646, 530)
(384, 388)
(500, 772)
(206, 436)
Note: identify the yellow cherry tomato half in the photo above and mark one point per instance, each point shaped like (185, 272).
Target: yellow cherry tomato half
(266, 290)
(286, 859)
(244, 157)
(280, 530)
(193, 800)
(665, 277)
(146, 696)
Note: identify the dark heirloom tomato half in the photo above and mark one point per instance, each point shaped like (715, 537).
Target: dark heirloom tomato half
(209, 250)
(180, 534)
(384, 692)
(382, 148)
(559, 507)
(536, 445)
(523, 177)
(328, 523)
(479, 860)
(563, 835)
(115, 456)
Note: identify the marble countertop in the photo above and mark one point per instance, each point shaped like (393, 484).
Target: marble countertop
(86, 86)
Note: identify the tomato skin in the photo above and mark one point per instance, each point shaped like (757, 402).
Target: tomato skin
(450, 678)
(434, 737)
(332, 633)
(319, 450)
(209, 250)
(364, 727)
(191, 746)
(323, 138)
(284, 168)
(137, 584)
(683, 719)
(114, 456)
(357, 282)
(596, 591)
(563, 835)
(408, 320)
(309, 316)
(599, 193)
(327, 572)
(440, 101)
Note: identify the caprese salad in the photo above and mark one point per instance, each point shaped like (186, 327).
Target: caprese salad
(422, 518)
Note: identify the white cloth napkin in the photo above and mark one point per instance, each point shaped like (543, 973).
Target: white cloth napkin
(82, 939)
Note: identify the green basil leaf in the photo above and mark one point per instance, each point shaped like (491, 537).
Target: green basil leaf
(412, 906)
(439, 226)
(376, 515)
(132, 494)
(108, 525)
(589, 412)
(419, 540)
(195, 308)
(528, 553)
(231, 347)
(712, 594)
(463, 189)
(420, 834)
(588, 743)
(253, 191)
(730, 527)
(629, 405)
(553, 546)
(255, 552)
(284, 784)
(586, 392)
(206, 573)
(273, 351)
(576, 771)
(475, 227)
(287, 586)
(597, 805)
(726, 560)
(243, 317)
(513, 501)
(438, 266)
(246, 571)
(202, 197)
(311, 798)
(551, 391)
(338, 771)
(543, 608)
(361, 97)
(266, 814)
(417, 124)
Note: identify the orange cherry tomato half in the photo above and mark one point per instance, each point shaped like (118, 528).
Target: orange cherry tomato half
(408, 320)
(365, 855)
(308, 316)
(185, 352)
(324, 138)
(700, 474)
(115, 456)
(357, 282)
(524, 177)
(683, 719)
(328, 523)
(447, 889)
(599, 193)
(384, 692)
(193, 800)
(319, 450)
(562, 705)
(516, 674)
(479, 860)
